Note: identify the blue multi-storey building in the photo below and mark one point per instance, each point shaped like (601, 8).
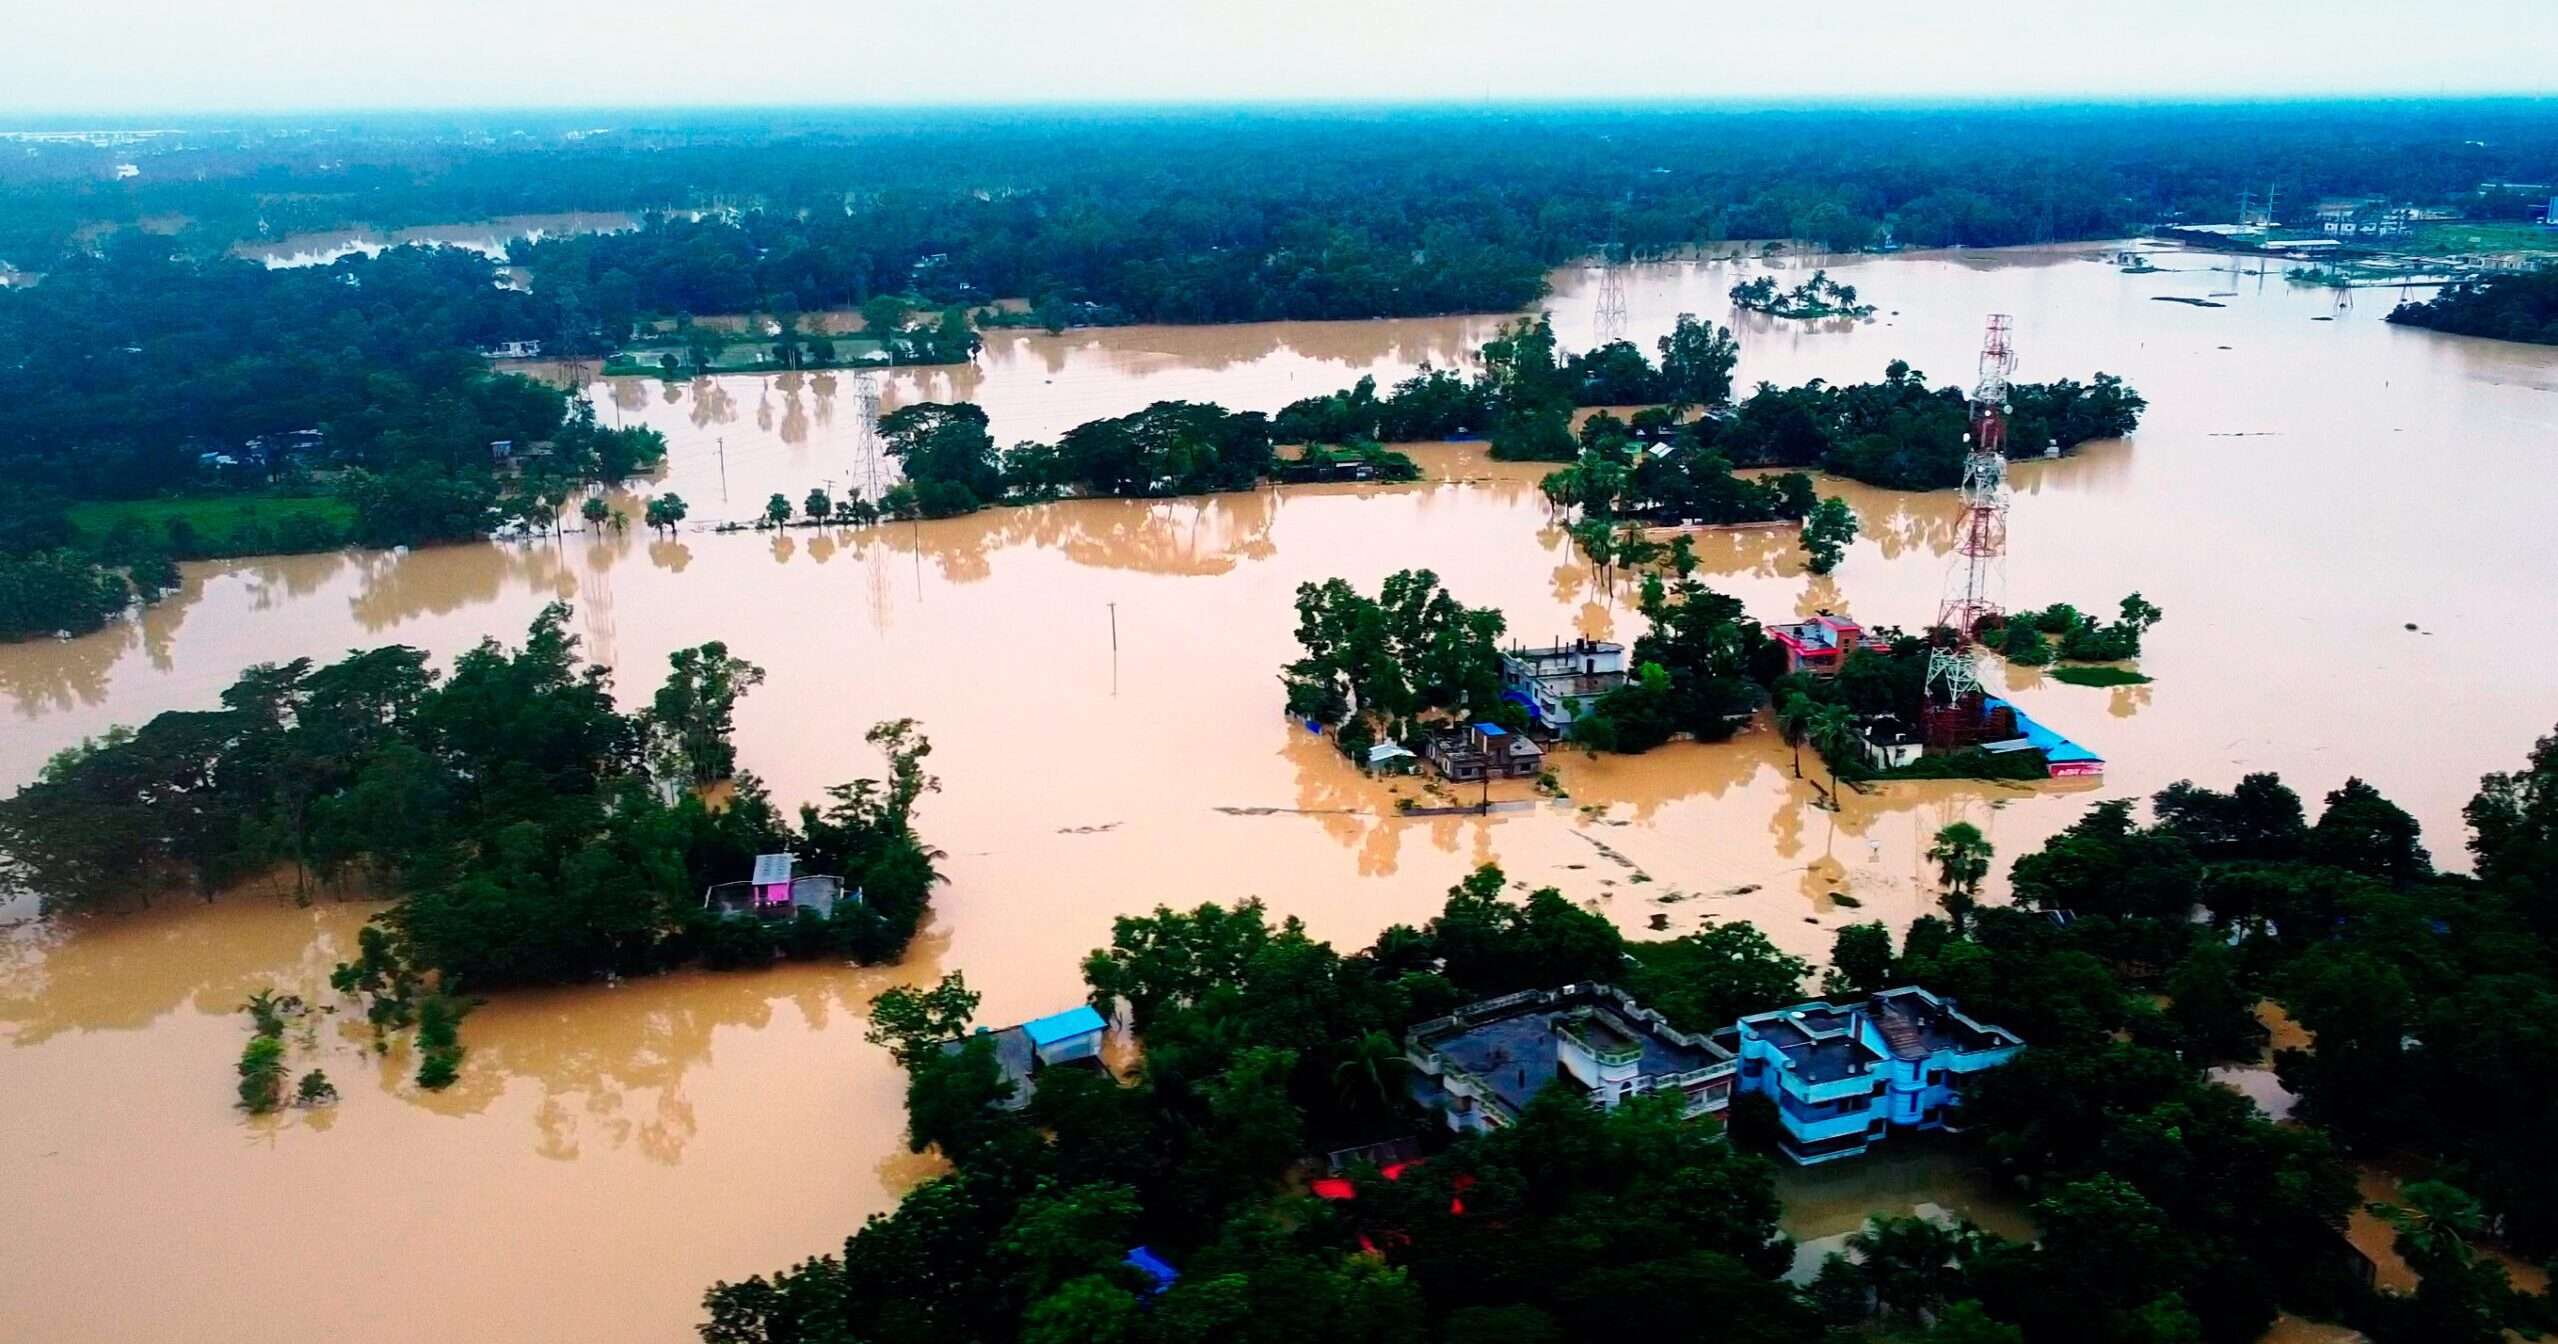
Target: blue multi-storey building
(1842, 1076)
(1845, 1075)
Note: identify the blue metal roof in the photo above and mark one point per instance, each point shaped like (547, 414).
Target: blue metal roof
(1058, 1026)
(1153, 1267)
(1491, 729)
(2054, 746)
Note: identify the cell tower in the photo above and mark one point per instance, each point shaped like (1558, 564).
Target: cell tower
(1608, 324)
(1954, 714)
(868, 453)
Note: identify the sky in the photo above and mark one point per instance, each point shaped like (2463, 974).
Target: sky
(143, 56)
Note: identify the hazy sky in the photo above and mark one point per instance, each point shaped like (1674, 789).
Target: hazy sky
(280, 55)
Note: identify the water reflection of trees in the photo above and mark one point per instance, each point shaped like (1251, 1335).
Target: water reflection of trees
(47, 676)
(401, 586)
(610, 1062)
(122, 972)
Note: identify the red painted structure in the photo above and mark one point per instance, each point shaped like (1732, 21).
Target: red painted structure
(1819, 646)
(1956, 713)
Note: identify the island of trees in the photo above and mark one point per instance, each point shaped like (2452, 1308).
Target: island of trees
(527, 830)
(1414, 658)
(2520, 307)
(1819, 296)
(2167, 1208)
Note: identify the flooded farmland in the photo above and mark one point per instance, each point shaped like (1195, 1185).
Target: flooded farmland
(2302, 493)
(489, 237)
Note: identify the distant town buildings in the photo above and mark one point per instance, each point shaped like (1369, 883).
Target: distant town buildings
(1842, 1076)
(1559, 682)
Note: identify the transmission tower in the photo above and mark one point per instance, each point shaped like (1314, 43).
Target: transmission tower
(1953, 710)
(868, 453)
(1608, 323)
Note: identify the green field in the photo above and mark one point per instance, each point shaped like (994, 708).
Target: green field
(2098, 675)
(2465, 236)
(210, 515)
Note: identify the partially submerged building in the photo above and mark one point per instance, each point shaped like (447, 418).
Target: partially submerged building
(1022, 1052)
(775, 891)
(1842, 1076)
(1559, 682)
(1888, 742)
(2062, 757)
(1481, 1065)
(1820, 645)
(1478, 750)
(1845, 1076)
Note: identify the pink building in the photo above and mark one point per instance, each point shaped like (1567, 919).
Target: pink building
(1819, 646)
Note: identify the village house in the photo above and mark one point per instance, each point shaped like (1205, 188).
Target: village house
(1559, 682)
(774, 892)
(1888, 742)
(1845, 1076)
(1478, 750)
(1819, 646)
(1021, 1052)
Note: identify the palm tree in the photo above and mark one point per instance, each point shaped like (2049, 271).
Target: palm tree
(2435, 1224)
(1832, 729)
(1791, 717)
(1908, 1262)
(1369, 1069)
(1962, 857)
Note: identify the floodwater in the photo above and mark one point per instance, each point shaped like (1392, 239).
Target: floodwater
(489, 237)
(1098, 679)
(1923, 1177)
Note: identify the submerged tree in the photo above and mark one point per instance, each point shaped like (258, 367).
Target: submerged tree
(1826, 532)
(694, 713)
(1962, 858)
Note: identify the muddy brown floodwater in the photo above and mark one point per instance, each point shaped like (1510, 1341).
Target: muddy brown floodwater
(489, 236)
(2302, 491)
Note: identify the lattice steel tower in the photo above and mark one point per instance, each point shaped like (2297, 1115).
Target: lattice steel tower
(868, 452)
(1954, 701)
(1608, 323)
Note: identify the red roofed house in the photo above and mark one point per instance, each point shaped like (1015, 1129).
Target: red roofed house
(1819, 645)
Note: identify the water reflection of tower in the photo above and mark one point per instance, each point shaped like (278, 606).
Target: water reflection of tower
(1954, 713)
(1608, 322)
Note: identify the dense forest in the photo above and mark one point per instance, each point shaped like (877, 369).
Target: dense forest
(1329, 212)
(2507, 307)
(531, 832)
(328, 406)
(2167, 1208)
